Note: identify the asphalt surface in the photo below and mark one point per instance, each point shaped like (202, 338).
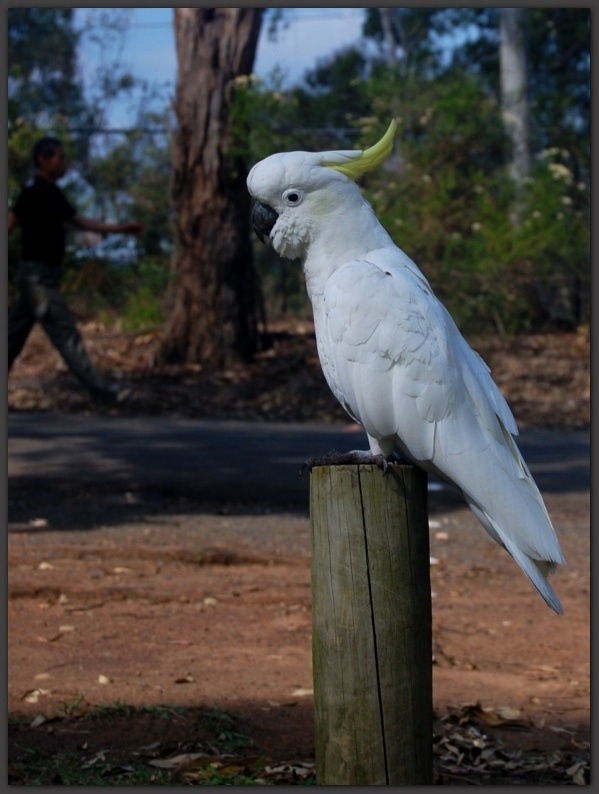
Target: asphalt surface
(226, 460)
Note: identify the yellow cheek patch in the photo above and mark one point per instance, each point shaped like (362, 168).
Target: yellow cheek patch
(368, 159)
(320, 202)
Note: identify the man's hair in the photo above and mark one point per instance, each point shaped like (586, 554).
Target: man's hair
(45, 148)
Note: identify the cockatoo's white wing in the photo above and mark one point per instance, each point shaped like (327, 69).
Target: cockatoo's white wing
(395, 359)
(381, 313)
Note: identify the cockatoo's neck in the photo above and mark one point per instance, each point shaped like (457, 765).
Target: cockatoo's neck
(346, 236)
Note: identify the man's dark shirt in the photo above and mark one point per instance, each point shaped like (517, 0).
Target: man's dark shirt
(42, 209)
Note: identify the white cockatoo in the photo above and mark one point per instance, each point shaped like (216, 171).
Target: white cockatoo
(392, 354)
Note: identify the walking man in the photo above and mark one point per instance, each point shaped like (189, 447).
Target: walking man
(41, 210)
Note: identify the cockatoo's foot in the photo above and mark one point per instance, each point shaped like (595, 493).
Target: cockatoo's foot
(357, 456)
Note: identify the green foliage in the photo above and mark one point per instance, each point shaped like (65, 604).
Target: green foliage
(413, 30)
(67, 769)
(133, 295)
(144, 306)
(45, 90)
(445, 195)
(42, 60)
(149, 189)
(559, 54)
(221, 725)
(230, 776)
(449, 207)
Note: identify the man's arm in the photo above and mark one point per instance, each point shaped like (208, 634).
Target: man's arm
(92, 225)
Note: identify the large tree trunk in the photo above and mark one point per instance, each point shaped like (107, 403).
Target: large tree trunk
(514, 94)
(387, 17)
(213, 320)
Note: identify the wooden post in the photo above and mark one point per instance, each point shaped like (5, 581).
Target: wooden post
(372, 635)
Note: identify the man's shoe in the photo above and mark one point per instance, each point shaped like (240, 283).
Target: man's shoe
(114, 394)
(124, 394)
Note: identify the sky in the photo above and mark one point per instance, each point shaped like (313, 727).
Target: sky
(149, 49)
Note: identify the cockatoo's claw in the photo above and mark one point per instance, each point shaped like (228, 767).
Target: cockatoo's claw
(356, 456)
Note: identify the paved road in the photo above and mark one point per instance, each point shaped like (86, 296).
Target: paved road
(235, 461)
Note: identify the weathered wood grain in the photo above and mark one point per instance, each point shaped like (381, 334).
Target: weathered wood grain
(372, 644)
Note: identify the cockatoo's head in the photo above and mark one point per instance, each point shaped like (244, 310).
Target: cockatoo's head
(295, 191)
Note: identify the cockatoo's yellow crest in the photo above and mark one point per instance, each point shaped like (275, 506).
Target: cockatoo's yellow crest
(368, 159)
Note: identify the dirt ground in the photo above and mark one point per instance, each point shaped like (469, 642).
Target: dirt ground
(165, 606)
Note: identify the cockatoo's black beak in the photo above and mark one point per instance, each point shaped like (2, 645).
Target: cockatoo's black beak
(263, 220)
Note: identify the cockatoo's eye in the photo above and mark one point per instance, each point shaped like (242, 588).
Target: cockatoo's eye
(293, 197)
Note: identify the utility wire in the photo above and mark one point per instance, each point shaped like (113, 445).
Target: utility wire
(291, 20)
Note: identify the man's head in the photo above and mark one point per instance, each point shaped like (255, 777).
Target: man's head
(49, 158)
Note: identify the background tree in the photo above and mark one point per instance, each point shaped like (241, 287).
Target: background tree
(213, 319)
(44, 89)
(449, 205)
(558, 72)
(43, 79)
(514, 96)
(45, 85)
(407, 37)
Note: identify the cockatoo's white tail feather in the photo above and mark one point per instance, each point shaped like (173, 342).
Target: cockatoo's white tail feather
(511, 509)
(536, 570)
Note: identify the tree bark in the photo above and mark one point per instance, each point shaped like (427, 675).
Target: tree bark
(514, 94)
(213, 319)
(387, 23)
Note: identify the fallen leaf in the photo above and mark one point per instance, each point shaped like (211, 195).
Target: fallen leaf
(577, 773)
(99, 756)
(507, 712)
(33, 695)
(500, 716)
(177, 761)
(185, 679)
(226, 767)
(560, 729)
(54, 638)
